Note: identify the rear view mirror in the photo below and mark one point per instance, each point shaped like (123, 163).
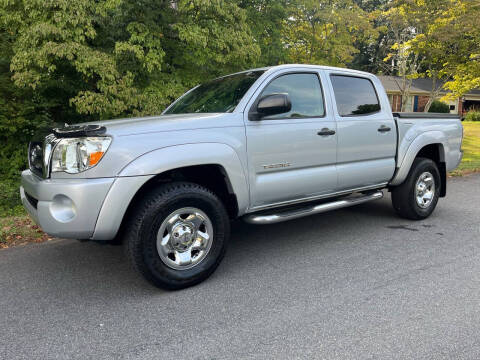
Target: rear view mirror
(274, 104)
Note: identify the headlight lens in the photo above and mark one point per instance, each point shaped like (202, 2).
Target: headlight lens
(74, 155)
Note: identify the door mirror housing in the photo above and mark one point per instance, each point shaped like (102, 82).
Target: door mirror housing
(273, 104)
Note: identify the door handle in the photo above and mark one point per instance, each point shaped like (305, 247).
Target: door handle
(383, 128)
(326, 132)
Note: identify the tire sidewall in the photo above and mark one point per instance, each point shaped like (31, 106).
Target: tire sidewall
(424, 165)
(151, 223)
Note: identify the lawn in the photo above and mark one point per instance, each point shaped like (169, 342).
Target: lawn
(471, 149)
(19, 230)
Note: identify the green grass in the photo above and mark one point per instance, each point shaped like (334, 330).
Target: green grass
(471, 149)
(19, 230)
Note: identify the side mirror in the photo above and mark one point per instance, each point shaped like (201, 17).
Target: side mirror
(274, 104)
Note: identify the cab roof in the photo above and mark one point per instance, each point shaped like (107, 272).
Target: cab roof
(315, 67)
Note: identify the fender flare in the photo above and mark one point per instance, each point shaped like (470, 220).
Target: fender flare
(135, 174)
(427, 138)
(178, 156)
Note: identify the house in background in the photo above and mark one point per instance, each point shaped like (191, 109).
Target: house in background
(420, 92)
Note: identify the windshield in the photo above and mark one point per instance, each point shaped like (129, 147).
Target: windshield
(216, 96)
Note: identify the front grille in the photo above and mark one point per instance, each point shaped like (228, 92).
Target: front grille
(35, 157)
(39, 154)
(31, 200)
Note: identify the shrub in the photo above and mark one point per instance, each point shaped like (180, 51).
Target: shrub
(473, 116)
(439, 107)
(10, 198)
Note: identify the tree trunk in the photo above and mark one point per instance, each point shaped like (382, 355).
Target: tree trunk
(434, 92)
(405, 91)
(428, 104)
(432, 96)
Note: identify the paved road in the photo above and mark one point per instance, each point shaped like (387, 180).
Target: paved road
(358, 283)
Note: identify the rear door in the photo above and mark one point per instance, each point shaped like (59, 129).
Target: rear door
(366, 131)
(288, 158)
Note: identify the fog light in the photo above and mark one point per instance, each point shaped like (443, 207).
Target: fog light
(62, 208)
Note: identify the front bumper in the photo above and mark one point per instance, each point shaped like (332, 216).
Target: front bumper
(66, 208)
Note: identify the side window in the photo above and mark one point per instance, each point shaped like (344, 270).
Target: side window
(354, 95)
(305, 94)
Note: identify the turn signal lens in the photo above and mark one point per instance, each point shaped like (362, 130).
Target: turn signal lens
(95, 157)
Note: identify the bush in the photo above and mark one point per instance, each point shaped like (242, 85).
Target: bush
(10, 198)
(473, 116)
(439, 107)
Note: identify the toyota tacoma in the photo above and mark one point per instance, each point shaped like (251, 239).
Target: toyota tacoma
(266, 145)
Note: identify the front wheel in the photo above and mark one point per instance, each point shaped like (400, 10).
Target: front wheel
(417, 197)
(178, 235)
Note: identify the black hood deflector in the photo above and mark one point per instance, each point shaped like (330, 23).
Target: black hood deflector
(79, 131)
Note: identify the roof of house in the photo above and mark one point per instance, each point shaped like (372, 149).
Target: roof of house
(419, 86)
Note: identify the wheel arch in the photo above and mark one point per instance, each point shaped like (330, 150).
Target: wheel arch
(211, 176)
(431, 145)
(214, 166)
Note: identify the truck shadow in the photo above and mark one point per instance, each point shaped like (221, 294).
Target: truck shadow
(333, 222)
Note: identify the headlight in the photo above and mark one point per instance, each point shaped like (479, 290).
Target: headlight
(74, 155)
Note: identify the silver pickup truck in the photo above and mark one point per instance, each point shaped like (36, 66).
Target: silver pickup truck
(266, 145)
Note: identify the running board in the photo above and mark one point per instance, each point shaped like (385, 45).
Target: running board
(291, 214)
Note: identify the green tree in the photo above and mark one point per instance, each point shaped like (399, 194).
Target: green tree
(372, 50)
(266, 19)
(443, 38)
(400, 61)
(371, 5)
(326, 32)
(459, 32)
(22, 113)
(118, 57)
(427, 45)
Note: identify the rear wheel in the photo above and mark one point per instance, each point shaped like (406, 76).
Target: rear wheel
(178, 235)
(417, 197)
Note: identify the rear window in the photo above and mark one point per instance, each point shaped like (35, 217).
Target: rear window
(354, 95)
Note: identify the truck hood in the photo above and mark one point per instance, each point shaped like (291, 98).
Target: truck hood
(163, 123)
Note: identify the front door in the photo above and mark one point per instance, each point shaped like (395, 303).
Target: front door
(292, 155)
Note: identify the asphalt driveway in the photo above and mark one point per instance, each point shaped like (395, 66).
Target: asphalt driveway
(357, 283)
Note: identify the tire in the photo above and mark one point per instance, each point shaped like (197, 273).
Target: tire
(404, 196)
(163, 263)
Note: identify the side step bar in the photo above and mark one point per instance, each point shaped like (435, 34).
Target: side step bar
(310, 209)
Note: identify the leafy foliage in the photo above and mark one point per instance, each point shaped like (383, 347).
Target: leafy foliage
(326, 32)
(22, 113)
(125, 58)
(473, 116)
(461, 29)
(439, 107)
(266, 19)
(444, 37)
(9, 198)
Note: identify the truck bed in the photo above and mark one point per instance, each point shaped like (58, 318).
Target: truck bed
(423, 115)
